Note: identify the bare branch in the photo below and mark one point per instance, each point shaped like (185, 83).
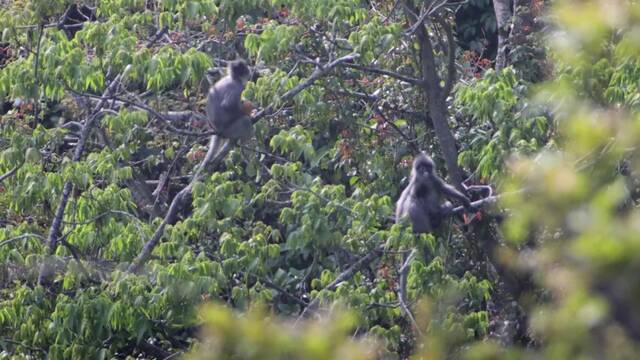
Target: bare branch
(268, 283)
(154, 350)
(475, 204)
(157, 36)
(317, 74)
(411, 143)
(36, 84)
(21, 237)
(25, 345)
(395, 75)
(489, 199)
(178, 201)
(166, 118)
(402, 290)
(9, 174)
(344, 276)
(56, 224)
(100, 216)
(74, 252)
(451, 64)
(433, 7)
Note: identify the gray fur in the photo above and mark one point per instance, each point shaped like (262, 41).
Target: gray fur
(421, 199)
(224, 104)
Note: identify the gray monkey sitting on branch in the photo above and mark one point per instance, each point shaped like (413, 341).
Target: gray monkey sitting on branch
(226, 111)
(421, 199)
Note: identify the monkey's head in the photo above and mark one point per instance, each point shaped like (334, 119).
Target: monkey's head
(423, 167)
(239, 71)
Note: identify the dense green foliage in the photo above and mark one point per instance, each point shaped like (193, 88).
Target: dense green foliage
(286, 246)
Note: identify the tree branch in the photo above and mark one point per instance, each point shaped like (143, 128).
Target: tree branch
(36, 85)
(436, 106)
(402, 290)
(74, 252)
(9, 173)
(154, 350)
(344, 276)
(268, 283)
(317, 74)
(167, 118)
(52, 239)
(20, 237)
(213, 157)
(395, 75)
(475, 204)
(377, 99)
(451, 64)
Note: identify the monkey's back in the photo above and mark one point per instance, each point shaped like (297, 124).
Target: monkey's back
(223, 102)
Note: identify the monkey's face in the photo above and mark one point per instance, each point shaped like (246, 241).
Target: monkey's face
(422, 170)
(423, 165)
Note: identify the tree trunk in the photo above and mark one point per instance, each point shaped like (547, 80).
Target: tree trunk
(502, 9)
(436, 104)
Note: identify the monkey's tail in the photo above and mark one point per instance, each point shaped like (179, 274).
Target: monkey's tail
(215, 146)
(214, 143)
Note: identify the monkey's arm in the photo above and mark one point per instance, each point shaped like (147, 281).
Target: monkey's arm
(452, 193)
(400, 205)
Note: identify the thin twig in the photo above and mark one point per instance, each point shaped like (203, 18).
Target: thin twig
(327, 201)
(20, 237)
(344, 276)
(402, 290)
(98, 217)
(268, 283)
(395, 75)
(164, 177)
(395, 127)
(10, 341)
(411, 143)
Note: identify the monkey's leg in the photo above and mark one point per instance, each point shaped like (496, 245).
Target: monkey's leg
(446, 207)
(242, 128)
(443, 212)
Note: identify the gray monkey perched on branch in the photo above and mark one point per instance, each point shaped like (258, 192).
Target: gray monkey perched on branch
(421, 199)
(226, 111)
